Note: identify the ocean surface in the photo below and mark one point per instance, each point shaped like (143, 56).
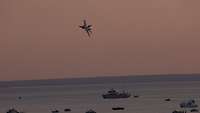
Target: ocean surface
(80, 95)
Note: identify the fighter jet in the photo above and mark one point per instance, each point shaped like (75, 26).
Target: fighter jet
(87, 28)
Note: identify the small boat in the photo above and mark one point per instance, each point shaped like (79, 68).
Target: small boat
(118, 108)
(90, 111)
(136, 96)
(167, 99)
(55, 111)
(113, 94)
(67, 110)
(12, 111)
(188, 104)
(19, 97)
(194, 110)
(175, 111)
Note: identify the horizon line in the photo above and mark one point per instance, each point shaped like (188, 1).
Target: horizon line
(104, 76)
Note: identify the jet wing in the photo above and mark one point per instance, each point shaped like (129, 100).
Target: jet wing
(89, 26)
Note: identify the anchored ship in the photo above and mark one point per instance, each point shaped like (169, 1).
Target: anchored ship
(113, 94)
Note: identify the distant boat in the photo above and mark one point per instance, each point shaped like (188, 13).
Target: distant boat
(55, 111)
(19, 97)
(113, 94)
(194, 110)
(167, 99)
(175, 111)
(136, 96)
(188, 104)
(90, 111)
(13, 111)
(118, 108)
(67, 110)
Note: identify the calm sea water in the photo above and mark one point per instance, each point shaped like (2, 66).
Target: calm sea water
(83, 94)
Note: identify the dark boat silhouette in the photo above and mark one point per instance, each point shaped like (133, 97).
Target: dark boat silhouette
(113, 94)
(67, 110)
(118, 108)
(12, 111)
(90, 111)
(194, 110)
(55, 111)
(19, 97)
(136, 96)
(175, 111)
(167, 99)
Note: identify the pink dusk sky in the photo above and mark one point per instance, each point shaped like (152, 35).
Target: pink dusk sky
(40, 39)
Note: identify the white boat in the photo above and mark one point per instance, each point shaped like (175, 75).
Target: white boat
(113, 94)
(188, 104)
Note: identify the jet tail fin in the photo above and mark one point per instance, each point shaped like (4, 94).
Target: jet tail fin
(88, 32)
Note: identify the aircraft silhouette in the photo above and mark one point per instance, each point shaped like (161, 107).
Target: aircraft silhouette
(87, 28)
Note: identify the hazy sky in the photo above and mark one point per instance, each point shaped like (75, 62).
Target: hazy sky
(40, 39)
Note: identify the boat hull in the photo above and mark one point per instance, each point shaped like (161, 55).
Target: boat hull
(115, 96)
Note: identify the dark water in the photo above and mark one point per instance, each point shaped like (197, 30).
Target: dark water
(82, 94)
